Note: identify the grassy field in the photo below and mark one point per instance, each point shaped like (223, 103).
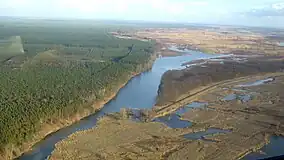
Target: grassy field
(221, 40)
(10, 47)
(53, 70)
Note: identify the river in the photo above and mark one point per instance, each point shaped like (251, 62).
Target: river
(139, 92)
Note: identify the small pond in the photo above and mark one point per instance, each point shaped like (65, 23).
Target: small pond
(173, 120)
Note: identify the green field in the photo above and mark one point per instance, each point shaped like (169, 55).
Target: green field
(64, 68)
(10, 47)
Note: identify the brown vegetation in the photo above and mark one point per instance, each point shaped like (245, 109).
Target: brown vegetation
(178, 82)
(222, 40)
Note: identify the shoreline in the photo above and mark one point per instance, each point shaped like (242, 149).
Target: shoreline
(49, 129)
(64, 149)
(183, 100)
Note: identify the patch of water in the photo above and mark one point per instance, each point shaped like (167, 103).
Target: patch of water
(256, 83)
(173, 121)
(243, 97)
(281, 44)
(190, 106)
(230, 97)
(274, 148)
(197, 105)
(202, 135)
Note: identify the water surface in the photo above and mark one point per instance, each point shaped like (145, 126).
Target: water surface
(274, 148)
(230, 97)
(190, 106)
(173, 120)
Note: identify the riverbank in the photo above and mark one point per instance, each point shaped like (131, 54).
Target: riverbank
(241, 126)
(47, 129)
(116, 137)
(176, 83)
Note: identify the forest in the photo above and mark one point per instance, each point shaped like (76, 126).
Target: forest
(65, 67)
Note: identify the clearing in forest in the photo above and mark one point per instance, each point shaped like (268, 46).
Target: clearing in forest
(11, 47)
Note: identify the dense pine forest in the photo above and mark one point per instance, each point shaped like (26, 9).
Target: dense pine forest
(54, 69)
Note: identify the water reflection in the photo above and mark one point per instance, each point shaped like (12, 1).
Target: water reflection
(188, 107)
(173, 121)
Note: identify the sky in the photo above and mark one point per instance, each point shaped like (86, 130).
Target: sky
(268, 13)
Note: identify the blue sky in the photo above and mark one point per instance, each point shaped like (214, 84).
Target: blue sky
(234, 12)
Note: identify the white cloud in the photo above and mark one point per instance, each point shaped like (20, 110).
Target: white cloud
(123, 9)
(278, 6)
(268, 11)
(15, 3)
(174, 7)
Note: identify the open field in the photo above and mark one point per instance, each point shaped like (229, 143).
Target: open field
(11, 47)
(220, 40)
(116, 138)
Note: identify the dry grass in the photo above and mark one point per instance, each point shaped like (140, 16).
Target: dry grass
(216, 41)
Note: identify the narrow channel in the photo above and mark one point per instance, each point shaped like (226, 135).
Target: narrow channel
(140, 92)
